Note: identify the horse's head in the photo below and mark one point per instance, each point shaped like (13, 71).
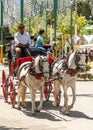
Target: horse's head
(57, 67)
(42, 65)
(77, 60)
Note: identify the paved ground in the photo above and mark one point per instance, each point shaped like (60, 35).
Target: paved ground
(80, 118)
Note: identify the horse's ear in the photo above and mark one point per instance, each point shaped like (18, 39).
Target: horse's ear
(77, 51)
(40, 57)
(40, 60)
(49, 54)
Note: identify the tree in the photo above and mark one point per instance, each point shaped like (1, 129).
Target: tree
(6, 32)
(64, 25)
(84, 9)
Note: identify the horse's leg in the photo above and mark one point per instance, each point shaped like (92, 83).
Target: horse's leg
(33, 99)
(56, 91)
(19, 95)
(65, 107)
(23, 95)
(41, 99)
(74, 94)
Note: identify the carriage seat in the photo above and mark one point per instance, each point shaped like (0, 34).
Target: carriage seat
(37, 51)
(22, 60)
(34, 52)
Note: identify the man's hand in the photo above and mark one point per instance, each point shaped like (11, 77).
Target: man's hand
(52, 43)
(21, 45)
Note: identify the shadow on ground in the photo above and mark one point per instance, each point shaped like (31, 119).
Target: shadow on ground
(78, 114)
(11, 128)
(45, 113)
(52, 113)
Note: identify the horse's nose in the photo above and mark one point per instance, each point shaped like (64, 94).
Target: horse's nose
(83, 68)
(47, 76)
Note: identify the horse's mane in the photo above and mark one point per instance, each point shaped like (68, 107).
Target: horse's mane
(57, 65)
(71, 62)
(36, 64)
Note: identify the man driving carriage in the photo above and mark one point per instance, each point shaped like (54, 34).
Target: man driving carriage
(22, 41)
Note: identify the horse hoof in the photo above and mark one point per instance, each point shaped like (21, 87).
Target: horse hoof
(67, 113)
(64, 112)
(19, 108)
(23, 105)
(69, 107)
(54, 104)
(37, 110)
(61, 111)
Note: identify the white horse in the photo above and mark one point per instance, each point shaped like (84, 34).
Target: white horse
(33, 77)
(68, 73)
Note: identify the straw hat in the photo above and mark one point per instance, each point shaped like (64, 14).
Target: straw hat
(21, 25)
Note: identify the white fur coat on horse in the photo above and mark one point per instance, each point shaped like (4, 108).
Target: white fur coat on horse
(34, 79)
(68, 74)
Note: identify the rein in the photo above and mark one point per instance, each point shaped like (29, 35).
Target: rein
(32, 71)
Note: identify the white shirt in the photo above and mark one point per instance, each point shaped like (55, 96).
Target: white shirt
(22, 38)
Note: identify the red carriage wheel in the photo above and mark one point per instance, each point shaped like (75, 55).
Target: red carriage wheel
(4, 86)
(47, 90)
(12, 94)
(58, 98)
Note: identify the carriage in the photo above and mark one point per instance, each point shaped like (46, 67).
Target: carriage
(66, 77)
(10, 81)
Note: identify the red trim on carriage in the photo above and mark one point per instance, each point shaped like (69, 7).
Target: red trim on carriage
(22, 60)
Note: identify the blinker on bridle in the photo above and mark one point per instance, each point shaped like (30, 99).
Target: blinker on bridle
(41, 64)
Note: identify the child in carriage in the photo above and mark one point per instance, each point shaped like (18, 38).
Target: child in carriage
(40, 41)
(34, 42)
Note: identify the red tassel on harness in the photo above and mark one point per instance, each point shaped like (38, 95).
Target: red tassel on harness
(50, 60)
(38, 77)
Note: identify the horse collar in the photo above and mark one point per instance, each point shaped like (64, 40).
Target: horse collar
(72, 72)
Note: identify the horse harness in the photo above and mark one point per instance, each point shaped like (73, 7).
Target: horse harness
(65, 67)
(32, 69)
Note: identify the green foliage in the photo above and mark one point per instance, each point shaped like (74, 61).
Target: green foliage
(87, 32)
(32, 25)
(14, 29)
(84, 9)
(50, 17)
(82, 23)
(88, 67)
(64, 24)
(6, 32)
(85, 76)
